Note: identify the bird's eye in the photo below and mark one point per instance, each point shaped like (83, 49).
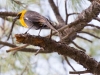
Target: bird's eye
(19, 14)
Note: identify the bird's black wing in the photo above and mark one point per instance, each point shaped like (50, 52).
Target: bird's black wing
(35, 17)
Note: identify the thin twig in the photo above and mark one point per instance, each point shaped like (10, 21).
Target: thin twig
(66, 12)
(78, 46)
(18, 2)
(63, 62)
(69, 63)
(25, 69)
(72, 14)
(84, 38)
(92, 25)
(24, 49)
(79, 72)
(97, 18)
(56, 11)
(37, 52)
(90, 34)
(17, 48)
(10, 33)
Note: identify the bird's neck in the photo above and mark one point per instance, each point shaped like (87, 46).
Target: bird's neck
(22, 18)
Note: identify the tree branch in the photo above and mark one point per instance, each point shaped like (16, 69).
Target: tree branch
(13, 14)
(83, 18)
(79, 72)
(17, 48)
(79, 56)
(84, 38)
(56, 12)
(69, 63)
(24, 49)
(89, 34)
(78, 46)
(92, 25)
(97, 18)
(66, 11)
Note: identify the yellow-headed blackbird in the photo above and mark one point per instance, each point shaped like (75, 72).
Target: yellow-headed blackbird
(34, 20)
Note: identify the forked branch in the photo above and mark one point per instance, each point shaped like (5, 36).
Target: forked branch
(79, 56)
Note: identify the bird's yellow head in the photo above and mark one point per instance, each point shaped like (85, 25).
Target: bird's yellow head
(20, 16)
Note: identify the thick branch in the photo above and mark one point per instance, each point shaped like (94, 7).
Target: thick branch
(79, 56)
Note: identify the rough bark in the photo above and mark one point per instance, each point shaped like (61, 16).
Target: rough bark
(50, 45)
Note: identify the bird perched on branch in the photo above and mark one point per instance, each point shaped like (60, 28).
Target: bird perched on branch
(32, 19)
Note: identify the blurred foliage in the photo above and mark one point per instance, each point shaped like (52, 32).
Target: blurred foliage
(77, 5)
(18, 5)
(16, 62)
